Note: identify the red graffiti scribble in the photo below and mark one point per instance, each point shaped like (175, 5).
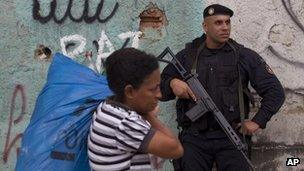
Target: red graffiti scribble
(9, 144)
(88, 54)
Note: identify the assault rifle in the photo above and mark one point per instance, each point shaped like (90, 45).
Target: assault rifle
(204, 104)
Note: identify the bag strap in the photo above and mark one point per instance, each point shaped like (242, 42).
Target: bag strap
(240, 86)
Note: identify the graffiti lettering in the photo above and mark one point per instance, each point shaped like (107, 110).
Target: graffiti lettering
(85, 17)
(70, 40)
(293, 16)
(8, 143)
(279, 56)
(101, 44)
(126, 36)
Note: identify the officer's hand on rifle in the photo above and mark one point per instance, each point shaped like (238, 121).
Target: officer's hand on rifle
(181, 89)
(249, 127)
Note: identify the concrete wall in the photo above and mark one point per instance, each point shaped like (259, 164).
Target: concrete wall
(265, 26)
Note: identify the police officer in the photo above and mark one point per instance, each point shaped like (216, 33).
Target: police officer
(225, 69)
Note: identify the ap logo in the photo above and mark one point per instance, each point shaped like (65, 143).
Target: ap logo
(292, 161)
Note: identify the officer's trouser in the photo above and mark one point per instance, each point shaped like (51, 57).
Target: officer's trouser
(202, 149)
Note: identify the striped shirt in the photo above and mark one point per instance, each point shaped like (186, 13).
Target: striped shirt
(118, 139)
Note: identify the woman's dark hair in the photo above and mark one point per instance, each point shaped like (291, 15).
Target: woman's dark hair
(128, 66)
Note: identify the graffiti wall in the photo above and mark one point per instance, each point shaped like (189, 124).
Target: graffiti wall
(88, 31)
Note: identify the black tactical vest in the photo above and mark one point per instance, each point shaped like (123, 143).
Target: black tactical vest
(218, 72)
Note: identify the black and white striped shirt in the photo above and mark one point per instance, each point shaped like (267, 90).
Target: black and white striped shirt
(118, 139)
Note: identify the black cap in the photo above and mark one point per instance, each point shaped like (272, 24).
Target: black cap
(216, 9)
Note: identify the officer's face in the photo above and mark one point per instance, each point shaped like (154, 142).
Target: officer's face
(217, 28)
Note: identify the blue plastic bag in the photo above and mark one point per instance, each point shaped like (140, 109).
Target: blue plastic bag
(56, 137)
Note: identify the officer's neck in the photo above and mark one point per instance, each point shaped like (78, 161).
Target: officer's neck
(214, 45)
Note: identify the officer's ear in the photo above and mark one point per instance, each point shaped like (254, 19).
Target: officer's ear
(205, 27)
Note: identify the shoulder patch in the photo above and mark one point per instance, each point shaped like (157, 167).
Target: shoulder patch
(268, 69)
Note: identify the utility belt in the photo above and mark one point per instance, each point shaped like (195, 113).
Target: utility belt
(210, 133)
(214, 131)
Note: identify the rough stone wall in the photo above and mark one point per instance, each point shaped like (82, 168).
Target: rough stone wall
(265, 26)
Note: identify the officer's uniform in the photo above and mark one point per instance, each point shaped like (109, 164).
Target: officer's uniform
(218, 70)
